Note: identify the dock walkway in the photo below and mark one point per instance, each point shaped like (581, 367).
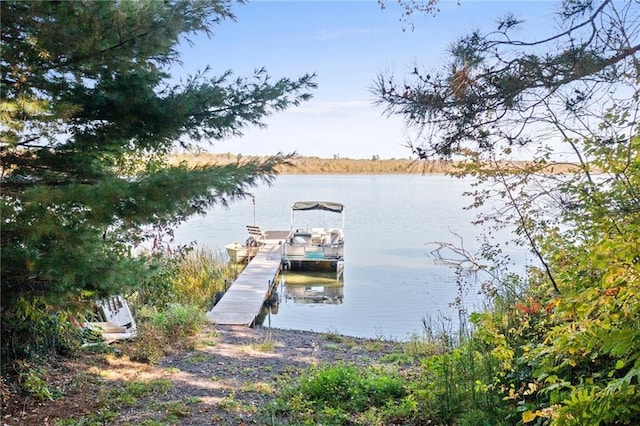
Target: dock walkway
(243, 301)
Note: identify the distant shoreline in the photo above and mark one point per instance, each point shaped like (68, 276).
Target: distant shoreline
(344, 166)
(327, 166)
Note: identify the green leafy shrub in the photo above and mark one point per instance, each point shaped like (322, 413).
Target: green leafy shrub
(159, 331)
(447, 387)
(33, 381)
(188, 276)
(157, 288)
(200, 274)
(33, 329)
(332, 394)
(151, 344)
(179, 320)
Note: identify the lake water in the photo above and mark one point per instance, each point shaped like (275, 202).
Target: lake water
(391, 282)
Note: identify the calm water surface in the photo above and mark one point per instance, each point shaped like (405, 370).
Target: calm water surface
(391, 282)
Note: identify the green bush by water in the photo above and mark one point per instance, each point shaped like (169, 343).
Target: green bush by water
(189, 277)
(340, 393)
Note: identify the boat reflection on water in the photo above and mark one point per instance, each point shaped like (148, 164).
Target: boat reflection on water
(310, 288)
(331, 294)
(317, 287)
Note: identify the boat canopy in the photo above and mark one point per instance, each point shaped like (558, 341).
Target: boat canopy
(318, 205)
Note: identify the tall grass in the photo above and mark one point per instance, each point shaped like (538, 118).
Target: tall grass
(169, 307)
(188, 277)
(200, 274)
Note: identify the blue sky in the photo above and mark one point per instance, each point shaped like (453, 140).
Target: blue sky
(347, 43)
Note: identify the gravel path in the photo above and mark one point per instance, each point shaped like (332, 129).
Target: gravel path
(228, 375)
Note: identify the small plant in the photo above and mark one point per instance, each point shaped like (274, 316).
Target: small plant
(200, 358)
(332, 346)
(267, 345)
(134, 390)
(333, 394)
(374, 345)
(149, 422)
(425, 345)
(334, 336)
(208, 343)
(192, 400)
(150, 345)
(179, 320)
(259, 387)
(33, 380)
(159, 331)
(177, 410)
(229, 402)
(101, 417)
(98, 348)
(398, 358)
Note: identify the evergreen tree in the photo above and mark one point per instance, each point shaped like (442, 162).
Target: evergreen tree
(501, 89)
(88, 113)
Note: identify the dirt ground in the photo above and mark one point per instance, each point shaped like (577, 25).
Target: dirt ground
(228, 375)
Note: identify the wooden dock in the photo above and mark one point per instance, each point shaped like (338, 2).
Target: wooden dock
(243, 301)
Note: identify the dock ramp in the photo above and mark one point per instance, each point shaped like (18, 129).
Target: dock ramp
(243, 301)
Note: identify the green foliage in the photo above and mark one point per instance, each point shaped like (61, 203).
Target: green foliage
(179, 320)
(34, 382)
(178, 410)
(562, 346)
(162, 330)
(158, 289)
(36, 329)
(186, 275)
(200, 275)
(337, 394)
(131, 392)
(33, 329)
(594, 343)
(456, 384)
(103, 416)
(566, 345)
(123, 395)
(88, 113)
(459, 382)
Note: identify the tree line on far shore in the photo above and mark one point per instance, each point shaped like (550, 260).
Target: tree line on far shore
(317, 166)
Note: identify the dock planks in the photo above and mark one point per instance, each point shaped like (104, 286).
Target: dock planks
(243, 301)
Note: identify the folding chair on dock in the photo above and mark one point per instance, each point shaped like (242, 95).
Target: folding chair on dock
(257, 233)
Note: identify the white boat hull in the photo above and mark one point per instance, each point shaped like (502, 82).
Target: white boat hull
(319, 249)
(239, 253)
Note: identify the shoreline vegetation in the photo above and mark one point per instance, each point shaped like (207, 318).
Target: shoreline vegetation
(344, 166)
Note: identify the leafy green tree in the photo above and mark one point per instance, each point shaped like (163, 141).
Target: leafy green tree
(500, 88)
(89, 111)
(593, 348)
(568, 341)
